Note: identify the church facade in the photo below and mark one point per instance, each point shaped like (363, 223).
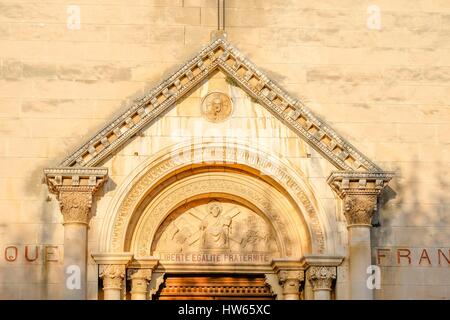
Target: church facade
(147, 155)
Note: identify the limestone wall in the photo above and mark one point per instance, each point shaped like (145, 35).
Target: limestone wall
(386, 91)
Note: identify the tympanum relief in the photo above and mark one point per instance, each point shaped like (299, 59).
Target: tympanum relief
(216, 232)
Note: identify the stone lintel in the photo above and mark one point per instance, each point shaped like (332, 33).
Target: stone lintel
(288, 269)
(287, 264)
(112, 258)
(321, 260)
(144, 263)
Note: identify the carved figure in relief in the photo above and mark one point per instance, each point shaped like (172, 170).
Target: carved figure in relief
(216, 107)
(256, 237)
(215, 228)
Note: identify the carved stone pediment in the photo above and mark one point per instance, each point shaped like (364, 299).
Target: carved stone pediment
(221, 55)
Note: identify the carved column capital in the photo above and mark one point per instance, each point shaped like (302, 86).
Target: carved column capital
(112, 275)
(75, 188)
(359, 209)
(290, 280)
(321, 277)
(145, 274)
(139, 281)
(290, 275)
(359, 192)
(75, 206)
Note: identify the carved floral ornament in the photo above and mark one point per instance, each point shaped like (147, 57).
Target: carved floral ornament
(75, 206)
(321, 277)
(112, 275)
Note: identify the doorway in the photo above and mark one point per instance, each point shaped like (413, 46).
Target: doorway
(215, 287)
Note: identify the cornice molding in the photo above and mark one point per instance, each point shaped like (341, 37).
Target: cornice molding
(345, 183)
(63, 179)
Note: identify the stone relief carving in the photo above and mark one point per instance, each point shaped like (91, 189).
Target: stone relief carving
(217, 227)
(216, 107)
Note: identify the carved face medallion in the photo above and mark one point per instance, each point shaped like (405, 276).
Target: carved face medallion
(216, 107)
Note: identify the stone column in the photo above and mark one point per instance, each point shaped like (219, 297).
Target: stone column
(290, 281)
(290, 275)
(321, 279)
(140, 274)
(75, 188)
(139, 283)
(359, 192)
(112, 268)
(113, 276)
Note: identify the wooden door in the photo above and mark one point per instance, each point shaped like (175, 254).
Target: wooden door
(215, 287)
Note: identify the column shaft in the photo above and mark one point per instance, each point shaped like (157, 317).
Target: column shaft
(322, 294)
(359, 261)
(75, 264)
(139, 282)
(113, 276)
(75, 188)
(321, 278)
(139, 289)
(110, 290)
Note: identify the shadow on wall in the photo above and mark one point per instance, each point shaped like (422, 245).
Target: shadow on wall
(413, 221)
(414, 203)
(26, 272)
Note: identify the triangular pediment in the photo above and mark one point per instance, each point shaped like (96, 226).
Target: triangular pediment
(222, 55)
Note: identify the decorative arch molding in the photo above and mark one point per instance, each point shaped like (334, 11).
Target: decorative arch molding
(291, 232)
(173, 161)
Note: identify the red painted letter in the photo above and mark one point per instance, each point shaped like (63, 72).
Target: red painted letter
(439, 256)
(400, 255)
(381, 255)
(11, 253)
(36, 254)
(51, 253)
(424, 255)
